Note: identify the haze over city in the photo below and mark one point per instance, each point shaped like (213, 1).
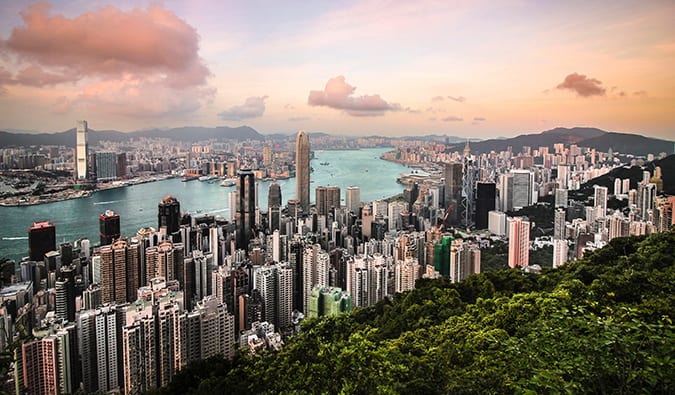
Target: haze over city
(475, 69)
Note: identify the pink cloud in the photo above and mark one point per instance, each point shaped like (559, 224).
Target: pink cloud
(253, 107)
(110, 41)
(338, 94)
(142, 61)
(582, 85)
(36, 76)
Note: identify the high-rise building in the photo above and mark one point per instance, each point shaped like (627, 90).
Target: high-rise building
(106, 166)
(326, 301)
(353, 199)
(327, 199)
(559, 225)
(41, 239)
(600, 200)
(65, 294)
(486, 193)
(109, 227)
(245, 207)
(519, 242)
(522, 191)
(274, 195)
(453, 193)
(274, 206)
(168, 215)
(497, 223)
(275, 284)
(464, 260)
(40, 366)
(561, 198)
(120, 271)
(560, 251)
(302, 170)
(406, 273)
(81, 151)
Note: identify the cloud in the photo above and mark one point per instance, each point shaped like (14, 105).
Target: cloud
(479, 119)
(289, 107)
(437, 98)
(253, 107)
(460, 99)
(133, 97)
(36, 76)
(452, 119)
(110, 41)
(582, 85)
(338, 95)
(298, 119)
(141, 53)
(640, 93)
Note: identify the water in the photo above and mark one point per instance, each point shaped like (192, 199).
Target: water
(137, 205)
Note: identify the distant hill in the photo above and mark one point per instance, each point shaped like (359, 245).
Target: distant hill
(584, 137)
(634, 173)
(187, 134)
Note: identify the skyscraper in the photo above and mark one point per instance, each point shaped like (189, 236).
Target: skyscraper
(168, 214)
(245, 207)
(109, 225)
(41, 239)
(453, 192)
(486, 195)
(274, 206)
(600, 200)
(519, 242)
(106, 166)
(353, 199)
(327, 198)
(81, 151)
(120, 271)
(302, 170)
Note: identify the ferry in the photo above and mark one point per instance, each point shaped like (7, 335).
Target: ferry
(228, 182)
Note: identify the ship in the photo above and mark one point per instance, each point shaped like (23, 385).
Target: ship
(189, 178)
(228, 182)
(324, 163)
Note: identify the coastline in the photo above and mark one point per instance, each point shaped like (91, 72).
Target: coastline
(72, 194)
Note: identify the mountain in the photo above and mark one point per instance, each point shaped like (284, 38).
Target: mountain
(186, 134)
(584, 137)
(602, 324)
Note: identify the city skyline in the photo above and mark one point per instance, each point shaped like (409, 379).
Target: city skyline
(389, 68)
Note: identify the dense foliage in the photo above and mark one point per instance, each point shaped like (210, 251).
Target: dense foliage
(600, 324)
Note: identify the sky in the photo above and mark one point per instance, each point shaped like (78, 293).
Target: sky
(465, 68)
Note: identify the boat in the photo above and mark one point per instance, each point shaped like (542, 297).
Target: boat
(228, 182)
(324, 163)
(189, 178)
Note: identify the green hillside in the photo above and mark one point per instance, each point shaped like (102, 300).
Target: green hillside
(601, 325)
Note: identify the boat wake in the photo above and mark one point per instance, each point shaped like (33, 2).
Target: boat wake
(108, 202)
(16, 238)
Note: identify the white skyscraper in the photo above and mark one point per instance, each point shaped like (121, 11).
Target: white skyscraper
(600, 201)
(81, 151)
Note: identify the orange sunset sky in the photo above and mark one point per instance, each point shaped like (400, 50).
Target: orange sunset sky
(466, 68)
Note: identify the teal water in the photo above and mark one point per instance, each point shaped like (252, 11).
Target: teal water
(137, 205)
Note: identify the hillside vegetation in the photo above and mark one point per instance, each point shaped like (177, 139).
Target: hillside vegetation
(602, 324)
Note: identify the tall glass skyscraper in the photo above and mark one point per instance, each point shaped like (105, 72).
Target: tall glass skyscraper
(302, 170)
